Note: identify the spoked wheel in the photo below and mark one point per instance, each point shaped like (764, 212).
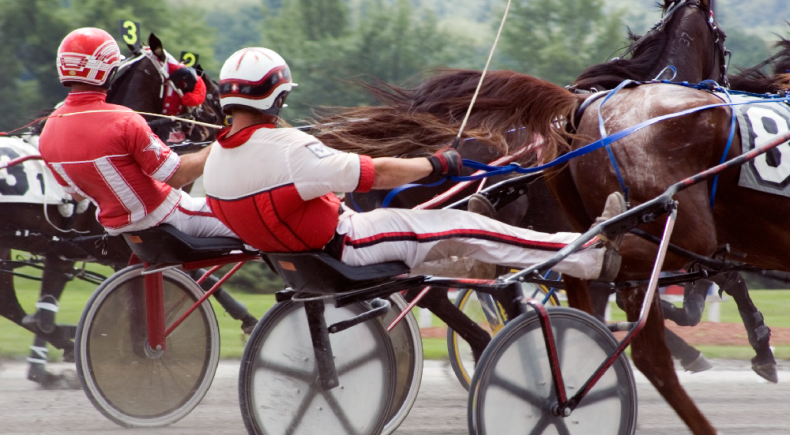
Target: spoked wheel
(461, 358)
(407, 342)
(128, 381)
(513, 392)
(279, 391)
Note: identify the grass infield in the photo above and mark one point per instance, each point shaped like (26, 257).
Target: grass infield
(15, 341)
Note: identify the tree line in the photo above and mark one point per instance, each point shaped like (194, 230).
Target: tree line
(330, 44)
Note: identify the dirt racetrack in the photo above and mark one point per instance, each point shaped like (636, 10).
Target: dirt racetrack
(733, 398)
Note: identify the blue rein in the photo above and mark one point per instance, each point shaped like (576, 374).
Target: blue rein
(491, 171)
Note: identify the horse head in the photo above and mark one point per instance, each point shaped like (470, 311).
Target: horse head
(140, 85)
(686, 38)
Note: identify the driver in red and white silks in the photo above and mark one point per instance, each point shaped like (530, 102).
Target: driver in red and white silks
(274, 187)
(108, 154)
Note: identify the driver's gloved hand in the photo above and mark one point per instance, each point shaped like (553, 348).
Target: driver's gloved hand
(446, 162)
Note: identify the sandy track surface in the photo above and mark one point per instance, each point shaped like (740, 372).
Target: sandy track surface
(736, 400)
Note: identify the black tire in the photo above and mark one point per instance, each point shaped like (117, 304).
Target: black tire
(407, 343)
(461, 359)
(278, 389)
(125, 379)
(513, 393)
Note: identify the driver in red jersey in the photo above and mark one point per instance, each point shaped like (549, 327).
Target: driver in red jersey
(108, 154)
(274, 187)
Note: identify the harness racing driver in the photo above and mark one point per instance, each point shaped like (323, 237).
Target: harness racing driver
(108, 154)
(274, 188)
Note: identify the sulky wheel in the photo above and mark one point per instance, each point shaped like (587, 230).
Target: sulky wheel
(130, 383)
(278, 381)
(461, 359)
(512, 389)
(407, 342)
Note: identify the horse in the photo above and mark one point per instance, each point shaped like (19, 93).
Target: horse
(75, 235)
(685, 37)
(649, 160)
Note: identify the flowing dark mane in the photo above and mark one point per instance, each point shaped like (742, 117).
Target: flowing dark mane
(612, 73)
(755, 79)
(426, 118)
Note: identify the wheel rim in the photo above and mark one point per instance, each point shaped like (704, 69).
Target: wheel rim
(516, 372)
(461, 351)
(132, 383)
(283, 393)
(407, 343)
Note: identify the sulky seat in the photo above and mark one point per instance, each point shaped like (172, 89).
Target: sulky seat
(165, 244)
(319, 272)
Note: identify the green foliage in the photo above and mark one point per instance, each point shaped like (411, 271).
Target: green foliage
(254, 278)
(557, 39)
(32, 30)
(747, 50)
(390, 41)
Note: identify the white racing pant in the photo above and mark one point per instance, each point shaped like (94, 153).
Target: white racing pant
(193, 216)
(418, 236)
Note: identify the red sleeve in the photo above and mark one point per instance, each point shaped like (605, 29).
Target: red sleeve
(367, 173)
(196, 97)
(154, 157)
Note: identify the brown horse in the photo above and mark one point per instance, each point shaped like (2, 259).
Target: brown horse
(684, 37)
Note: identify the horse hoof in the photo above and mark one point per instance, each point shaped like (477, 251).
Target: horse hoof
(66, 380)
(766, 371)
(700, 364)
(68, 355)
(248, 324)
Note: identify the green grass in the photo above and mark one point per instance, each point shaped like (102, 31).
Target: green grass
(15, 341)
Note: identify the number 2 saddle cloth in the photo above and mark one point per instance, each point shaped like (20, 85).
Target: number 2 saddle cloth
(29, 182)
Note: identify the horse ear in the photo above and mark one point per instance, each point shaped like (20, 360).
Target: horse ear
(156, 46)
(705, 3)
(199, 69)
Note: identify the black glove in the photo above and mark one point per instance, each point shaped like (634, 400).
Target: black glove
(446, 162)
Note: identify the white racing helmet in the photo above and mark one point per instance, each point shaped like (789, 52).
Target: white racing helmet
(255, 78)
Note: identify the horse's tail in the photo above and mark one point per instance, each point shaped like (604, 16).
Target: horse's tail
(428, 117)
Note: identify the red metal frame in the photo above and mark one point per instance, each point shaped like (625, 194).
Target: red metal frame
(155, 310)
(154, 297)
(408, 308)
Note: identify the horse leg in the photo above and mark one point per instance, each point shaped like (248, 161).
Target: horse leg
(437, 301)
(53, 281)
(758, 332)
(236, 309)
(578, 292)
(650, 356)
(10, 308)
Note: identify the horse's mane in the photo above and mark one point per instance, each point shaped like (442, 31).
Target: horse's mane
(755, 80)
(424, 119)
(608, 75)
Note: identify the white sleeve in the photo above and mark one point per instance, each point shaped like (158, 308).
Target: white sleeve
(318, 169)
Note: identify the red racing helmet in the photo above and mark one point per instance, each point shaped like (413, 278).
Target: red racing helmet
(88, 55)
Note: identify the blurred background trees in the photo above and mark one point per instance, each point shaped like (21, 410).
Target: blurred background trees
(331, 43)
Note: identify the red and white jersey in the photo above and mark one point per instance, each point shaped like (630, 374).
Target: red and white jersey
(112, 158)
(273, 187)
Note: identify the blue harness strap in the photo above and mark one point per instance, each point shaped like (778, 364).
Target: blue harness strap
(603, 142)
